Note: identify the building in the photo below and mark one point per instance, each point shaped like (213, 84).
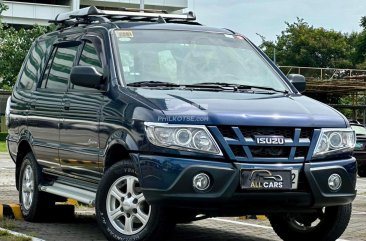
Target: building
(29, 12)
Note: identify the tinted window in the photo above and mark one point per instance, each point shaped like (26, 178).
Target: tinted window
(47, 70)
(31, 68)
(89, 57)
(59, 73)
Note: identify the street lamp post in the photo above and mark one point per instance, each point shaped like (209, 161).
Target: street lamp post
(142, 5)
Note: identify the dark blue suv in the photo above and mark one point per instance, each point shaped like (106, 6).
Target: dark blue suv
(155, 120)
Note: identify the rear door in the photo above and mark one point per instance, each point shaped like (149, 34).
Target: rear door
(46, 107)
(22, 94)
(79, 132)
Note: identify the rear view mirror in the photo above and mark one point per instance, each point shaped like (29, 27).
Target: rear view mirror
(86, 76)
(298, 81)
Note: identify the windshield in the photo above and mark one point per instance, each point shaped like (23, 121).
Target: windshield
(360, 130)
(188, 58)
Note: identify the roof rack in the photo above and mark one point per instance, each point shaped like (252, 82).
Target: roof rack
(92, 14)
(145, 10)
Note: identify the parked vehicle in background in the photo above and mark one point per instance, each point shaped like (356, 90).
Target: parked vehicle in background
(156, 119)
(360, 147)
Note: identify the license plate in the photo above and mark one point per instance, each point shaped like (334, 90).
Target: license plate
(263, 179)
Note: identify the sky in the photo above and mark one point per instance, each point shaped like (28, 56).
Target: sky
(268, 17)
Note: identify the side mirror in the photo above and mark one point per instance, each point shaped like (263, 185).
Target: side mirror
(298, 81)
(86, 76)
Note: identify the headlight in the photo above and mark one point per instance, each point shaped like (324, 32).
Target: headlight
(183, 137)
(335, 141)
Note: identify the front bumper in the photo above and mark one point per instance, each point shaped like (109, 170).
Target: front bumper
(168, 181)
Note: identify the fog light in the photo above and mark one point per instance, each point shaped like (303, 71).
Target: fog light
(201, 182)
(334, 182)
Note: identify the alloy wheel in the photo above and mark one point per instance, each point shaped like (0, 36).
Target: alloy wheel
(127, 208)
(27, 187)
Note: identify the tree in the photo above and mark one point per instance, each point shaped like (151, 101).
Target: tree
(14, 46)
(303, 45)
(359, 43)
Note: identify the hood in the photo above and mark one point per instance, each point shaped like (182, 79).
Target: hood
(235, 108)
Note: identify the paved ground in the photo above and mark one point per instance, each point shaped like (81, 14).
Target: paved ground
(84, 227)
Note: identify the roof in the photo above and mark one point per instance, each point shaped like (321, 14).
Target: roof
(170, 26)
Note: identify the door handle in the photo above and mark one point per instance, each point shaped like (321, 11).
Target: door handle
(33, 105)
(66, 106)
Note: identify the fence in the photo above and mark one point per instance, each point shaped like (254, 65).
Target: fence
(313, 73)
(348, 84)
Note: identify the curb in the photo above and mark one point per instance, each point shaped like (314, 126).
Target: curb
(255, 217)
(21, 235)
(11, 211)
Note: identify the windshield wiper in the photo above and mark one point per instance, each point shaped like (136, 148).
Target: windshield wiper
(205, 85)
(152, 84)
(251, 87)
(212, 85)
(201, 86)
(240, 87)
(216, 83)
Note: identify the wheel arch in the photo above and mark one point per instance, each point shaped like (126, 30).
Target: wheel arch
(116, 152)
(119, 146)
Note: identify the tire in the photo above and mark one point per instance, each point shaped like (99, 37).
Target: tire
(362, 171)
(331, 223)
(33, 203)
(120, 202)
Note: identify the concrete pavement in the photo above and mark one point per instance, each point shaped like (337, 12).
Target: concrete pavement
(84, 226)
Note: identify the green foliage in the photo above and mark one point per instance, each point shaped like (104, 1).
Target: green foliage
(7, 236)
(363, 22)
(14, 46)
(303, 45)
(3, 147)
(359, 43)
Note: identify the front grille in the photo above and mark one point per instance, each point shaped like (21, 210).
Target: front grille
(301, 151)
(270, 151)
(238, 150)
(279, 131)
(227, 131)
(306, 133)
(239, 143)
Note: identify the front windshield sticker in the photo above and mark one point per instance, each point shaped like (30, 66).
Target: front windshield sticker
(124, 36)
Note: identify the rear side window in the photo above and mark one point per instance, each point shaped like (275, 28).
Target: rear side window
(58, 69)
(31, 68)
